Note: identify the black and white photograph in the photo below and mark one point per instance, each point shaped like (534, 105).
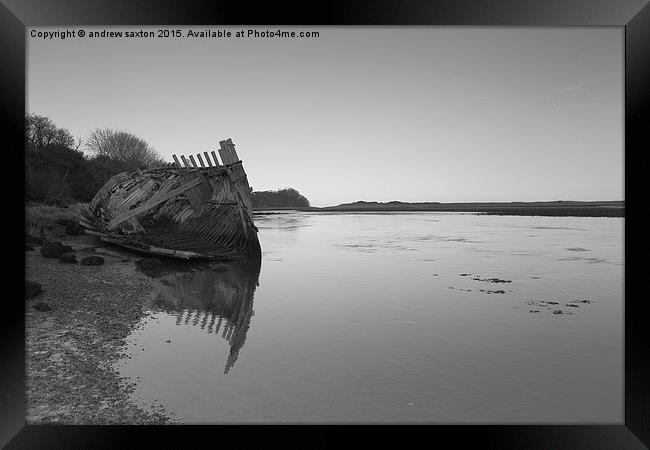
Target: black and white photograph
(324, 225)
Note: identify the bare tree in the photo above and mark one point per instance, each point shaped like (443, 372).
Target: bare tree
(41, 132)
(129, 150)
(78, 143)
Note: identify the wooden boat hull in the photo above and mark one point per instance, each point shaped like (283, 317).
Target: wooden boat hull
(186, 212)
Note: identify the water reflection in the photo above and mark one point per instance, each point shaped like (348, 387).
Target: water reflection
(218, 298)
(282, 221)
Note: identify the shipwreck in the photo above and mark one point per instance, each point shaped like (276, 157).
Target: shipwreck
(184, 210)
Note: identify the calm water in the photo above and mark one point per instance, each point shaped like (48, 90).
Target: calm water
(389, 318)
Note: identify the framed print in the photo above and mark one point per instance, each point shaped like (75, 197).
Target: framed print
(366, 217)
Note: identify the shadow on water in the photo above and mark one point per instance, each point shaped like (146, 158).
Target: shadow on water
(218, 297)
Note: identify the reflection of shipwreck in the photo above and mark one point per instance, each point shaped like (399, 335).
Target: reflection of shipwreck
(219, 298)
(187, 212)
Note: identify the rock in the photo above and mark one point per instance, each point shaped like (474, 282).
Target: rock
(92, 260)
(42, 307)
(69, 258)
(29, 247)
(54, 249)
(32, 288)
(557, 311)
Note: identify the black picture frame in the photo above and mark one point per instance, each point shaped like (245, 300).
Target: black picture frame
(633, 15)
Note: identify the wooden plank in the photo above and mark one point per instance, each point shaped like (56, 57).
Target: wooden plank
(223, 152)
(95, 233)
(176, 161)
(207, 158)
(206, 187)
(134, 223)
(231, 157)
(193, 195)
(150, 204)
(214, 156)
(86, 224)
(104, 192)
(198, 155)
(136, 194)
(163, 189)
(152, 249)
(187, 164)
(193, 162)
(180, 253)
(231, 147)
(184, 214)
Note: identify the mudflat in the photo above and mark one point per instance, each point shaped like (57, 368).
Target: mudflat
(74, 331)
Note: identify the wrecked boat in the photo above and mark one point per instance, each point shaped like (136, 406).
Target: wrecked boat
(188, 210)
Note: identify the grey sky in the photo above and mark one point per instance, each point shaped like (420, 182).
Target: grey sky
(364, 113)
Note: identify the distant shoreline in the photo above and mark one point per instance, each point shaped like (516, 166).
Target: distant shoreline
(554, 208)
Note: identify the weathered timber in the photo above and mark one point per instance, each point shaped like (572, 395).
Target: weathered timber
(185, 212)
(224, 152)
(151, 203)
(231, 148)
(207, 158)
(214, 156)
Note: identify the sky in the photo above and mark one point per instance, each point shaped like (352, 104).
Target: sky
(447, 114)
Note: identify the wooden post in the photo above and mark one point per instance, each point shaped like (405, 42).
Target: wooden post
(187, 164)
(198, 155)
(193, 161)
(207, 158)
(176, 161)
(223, 152)
(231, 147)
(214, 156)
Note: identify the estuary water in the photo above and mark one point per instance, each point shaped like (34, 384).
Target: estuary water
(393, 318)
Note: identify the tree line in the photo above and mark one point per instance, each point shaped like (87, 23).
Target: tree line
(57, 171)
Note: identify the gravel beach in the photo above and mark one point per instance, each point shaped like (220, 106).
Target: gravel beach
(75, 330)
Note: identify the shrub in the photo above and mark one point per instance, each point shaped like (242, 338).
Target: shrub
(283, 198)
